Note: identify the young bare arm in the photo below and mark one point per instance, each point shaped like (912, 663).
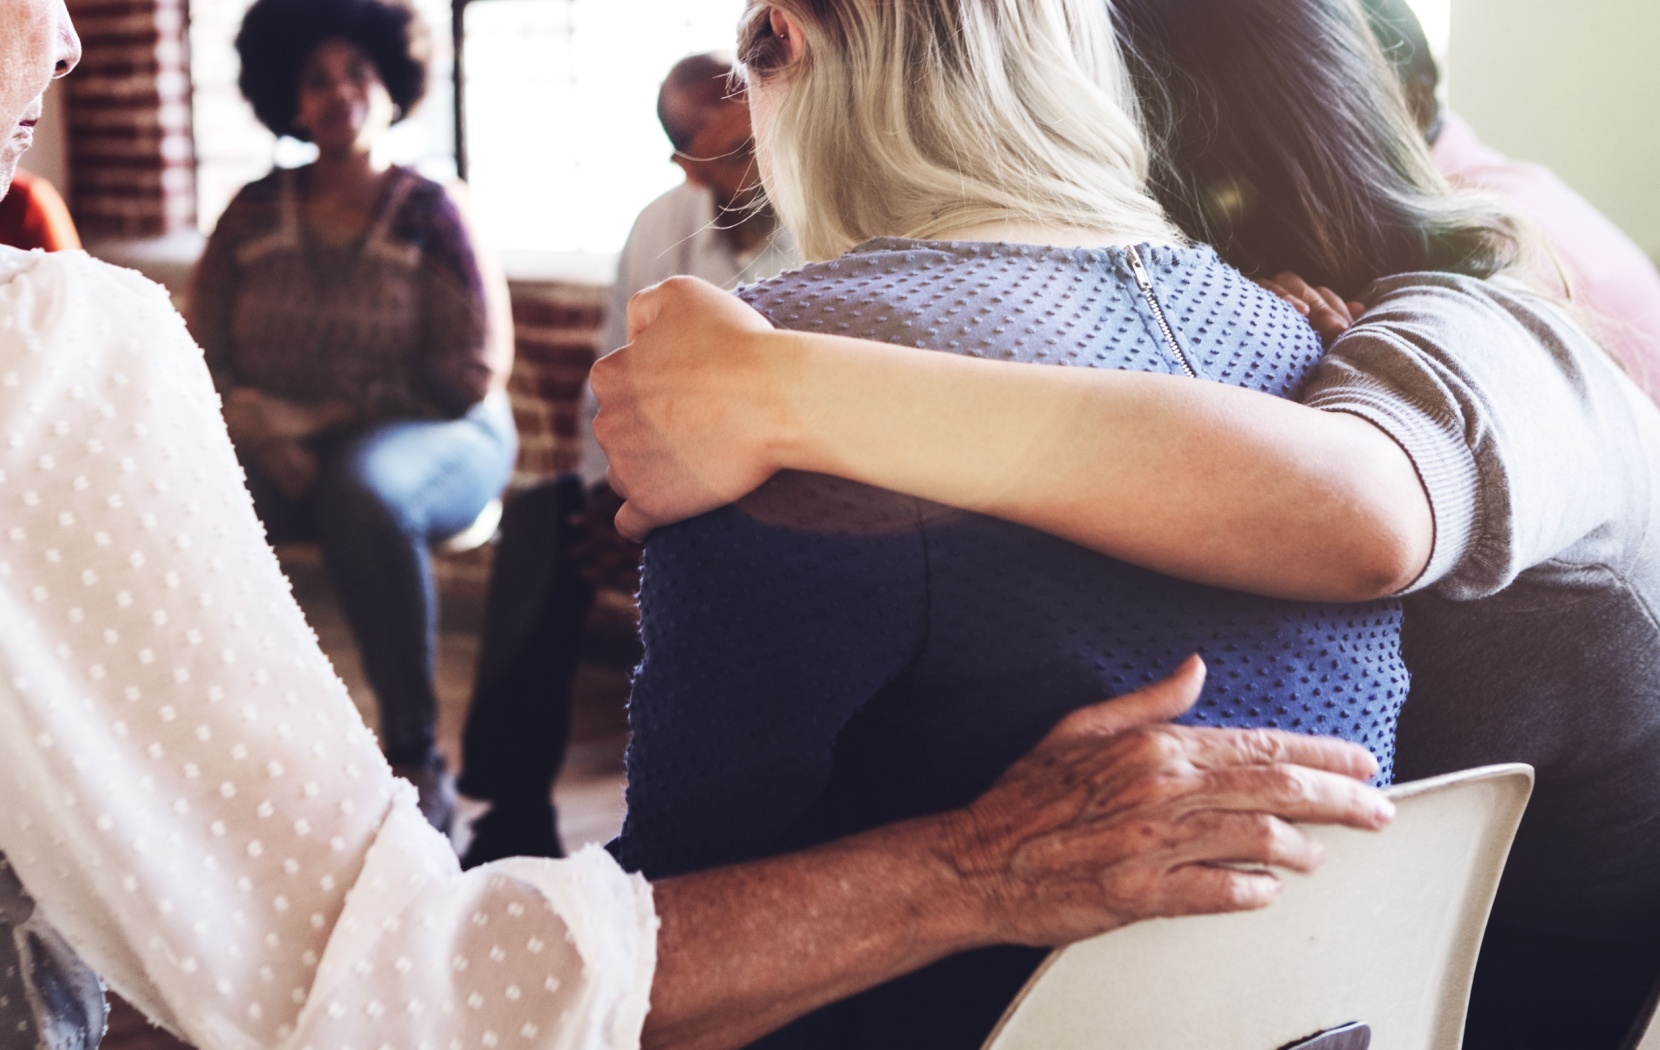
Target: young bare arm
(1115, 817)
(1195, 479)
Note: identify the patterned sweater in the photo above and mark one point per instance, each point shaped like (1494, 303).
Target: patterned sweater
(394, 323)
(825, 657)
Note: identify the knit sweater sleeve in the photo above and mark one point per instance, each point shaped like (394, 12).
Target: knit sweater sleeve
(1508, 411)
(766, 627)
(455, 369)
(214, 285)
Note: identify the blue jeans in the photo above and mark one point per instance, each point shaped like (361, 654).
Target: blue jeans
(383, 497)
(48, 997)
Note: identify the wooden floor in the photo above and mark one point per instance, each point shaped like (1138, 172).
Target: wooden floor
(590, 791)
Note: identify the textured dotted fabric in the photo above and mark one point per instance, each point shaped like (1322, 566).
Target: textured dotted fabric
(192, 799)
(826, 657)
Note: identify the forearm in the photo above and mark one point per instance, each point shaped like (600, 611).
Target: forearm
(1115, 817)
(745, 950)
(1199, 480)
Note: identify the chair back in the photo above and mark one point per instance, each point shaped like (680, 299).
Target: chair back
(1647, 1037)
(1378, 947)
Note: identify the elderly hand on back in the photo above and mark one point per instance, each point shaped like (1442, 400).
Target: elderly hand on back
(1119, 816)
(1114, 817)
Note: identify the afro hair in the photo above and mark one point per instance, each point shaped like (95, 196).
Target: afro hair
(278, 36)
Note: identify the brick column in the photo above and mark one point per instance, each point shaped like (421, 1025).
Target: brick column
(557, 327)
(131, 156)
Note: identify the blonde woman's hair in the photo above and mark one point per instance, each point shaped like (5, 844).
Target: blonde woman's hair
(917, 118)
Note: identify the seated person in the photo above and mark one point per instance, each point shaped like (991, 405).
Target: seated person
(361, 344)
(1615, 282)
(715, 226)
(1466, 444)
(195, 807)
(33, 215)
(825, 657)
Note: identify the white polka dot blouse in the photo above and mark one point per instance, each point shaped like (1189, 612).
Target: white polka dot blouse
(191, 798)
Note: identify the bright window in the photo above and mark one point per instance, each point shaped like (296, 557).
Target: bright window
(1436, 15)
(563, 144)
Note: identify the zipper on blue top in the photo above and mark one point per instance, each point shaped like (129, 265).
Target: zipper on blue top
(1144, 281)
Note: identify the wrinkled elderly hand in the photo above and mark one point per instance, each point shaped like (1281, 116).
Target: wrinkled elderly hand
(1327, 312)
(687, 408)
(1118, 816)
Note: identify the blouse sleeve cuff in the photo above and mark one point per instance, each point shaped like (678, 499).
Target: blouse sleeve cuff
(613, 918)
(556, 954)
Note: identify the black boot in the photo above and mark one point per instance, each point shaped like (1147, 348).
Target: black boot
(524, 830)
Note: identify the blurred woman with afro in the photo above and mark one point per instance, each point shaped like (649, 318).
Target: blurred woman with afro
(361, 344)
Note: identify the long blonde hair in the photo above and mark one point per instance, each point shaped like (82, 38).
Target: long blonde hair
(908, 118)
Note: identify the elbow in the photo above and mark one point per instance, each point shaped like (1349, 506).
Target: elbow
(1391, 537)
(1383, 516)
(1388, 562)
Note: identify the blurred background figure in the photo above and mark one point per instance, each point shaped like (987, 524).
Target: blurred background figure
(33, 215)
(361, 344)
(715, 225)
(1616, 286)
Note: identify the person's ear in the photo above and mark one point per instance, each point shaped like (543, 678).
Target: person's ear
(692, 168)
(788, 31)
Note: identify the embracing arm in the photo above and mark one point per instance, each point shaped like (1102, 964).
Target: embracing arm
(1199, 480)
(195, 804)
(1115, 817)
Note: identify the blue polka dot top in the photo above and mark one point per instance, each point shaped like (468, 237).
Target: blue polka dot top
(825, 657)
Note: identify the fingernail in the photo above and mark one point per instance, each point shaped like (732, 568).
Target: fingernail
(1384, 810)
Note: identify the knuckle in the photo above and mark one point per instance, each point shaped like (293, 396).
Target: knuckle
(1264, 833)
(1076, 723)
(1157, 748)
(1259, 746)
(1141, 794)
(1291, 786)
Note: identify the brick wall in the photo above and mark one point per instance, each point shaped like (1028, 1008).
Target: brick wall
(131, 159)
(557, 328)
